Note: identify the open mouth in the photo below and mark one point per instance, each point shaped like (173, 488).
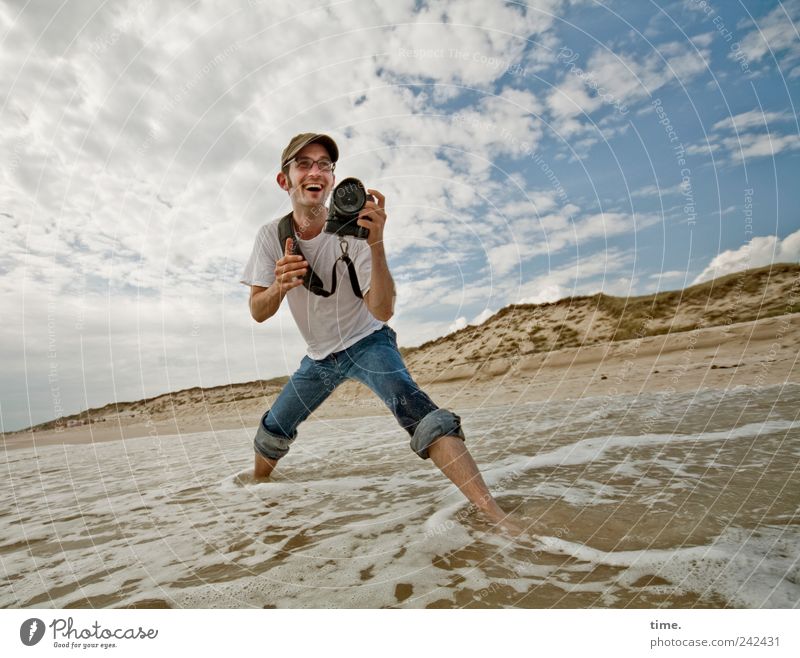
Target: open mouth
(313, 188)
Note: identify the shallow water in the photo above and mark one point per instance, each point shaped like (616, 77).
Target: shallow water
(654, 500)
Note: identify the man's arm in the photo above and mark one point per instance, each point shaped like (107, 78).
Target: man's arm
(381, 295)
(289, 272)
(264, 302)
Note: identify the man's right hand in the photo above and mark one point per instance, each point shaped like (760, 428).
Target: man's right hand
(290, 270)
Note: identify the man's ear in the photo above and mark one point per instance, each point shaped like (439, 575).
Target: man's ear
(283, 181)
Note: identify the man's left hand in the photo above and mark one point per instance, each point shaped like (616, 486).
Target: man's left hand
(373, 217)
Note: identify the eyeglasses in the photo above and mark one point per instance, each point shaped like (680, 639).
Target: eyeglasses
(306, 164)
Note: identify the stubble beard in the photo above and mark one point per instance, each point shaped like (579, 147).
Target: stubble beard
(314, 209)
(312, 212)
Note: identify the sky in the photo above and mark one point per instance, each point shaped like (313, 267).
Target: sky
(527, 152)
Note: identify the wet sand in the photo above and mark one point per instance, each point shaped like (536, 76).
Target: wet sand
(648, 500)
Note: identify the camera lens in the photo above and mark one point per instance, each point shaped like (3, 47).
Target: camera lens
(350, 196)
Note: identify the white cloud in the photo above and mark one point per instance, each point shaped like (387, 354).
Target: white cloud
(468, 43)
(460, 323)
(760, 251)
(596, 272)
(773, 34)
(670, 274)
(747, 140)
(483, 316)
(750, 119)
(703, 149)
(505, 259)
(558, 231)
(755, 145)
(611, 223)
(536, 202)
(569, 99)
(546, 293)
(703, 40)
(656, 191)
(614, 79)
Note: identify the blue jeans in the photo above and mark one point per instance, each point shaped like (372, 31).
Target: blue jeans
(374, 361)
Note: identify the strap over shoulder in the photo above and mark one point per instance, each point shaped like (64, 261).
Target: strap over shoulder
(311, 280)
(286, 231)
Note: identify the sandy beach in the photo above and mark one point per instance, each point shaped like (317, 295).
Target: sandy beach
(655, 499)
(649, 452)
(749, 354)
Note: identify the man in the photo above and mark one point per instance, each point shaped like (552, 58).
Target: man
(346, 334)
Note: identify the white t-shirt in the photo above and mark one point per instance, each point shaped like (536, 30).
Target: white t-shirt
(328, 324)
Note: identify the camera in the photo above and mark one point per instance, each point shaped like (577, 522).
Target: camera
(347, 201)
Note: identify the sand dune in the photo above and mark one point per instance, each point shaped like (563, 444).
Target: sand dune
(739, 330)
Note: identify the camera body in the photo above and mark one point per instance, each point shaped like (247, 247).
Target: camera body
(347, 201)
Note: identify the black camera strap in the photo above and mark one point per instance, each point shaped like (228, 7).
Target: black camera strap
(311, 280)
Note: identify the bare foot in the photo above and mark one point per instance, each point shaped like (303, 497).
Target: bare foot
(510, 525)
(506, 522)
(263, 468)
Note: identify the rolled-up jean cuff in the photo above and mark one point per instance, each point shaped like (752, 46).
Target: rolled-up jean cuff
(270, 445)
(436, 424)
